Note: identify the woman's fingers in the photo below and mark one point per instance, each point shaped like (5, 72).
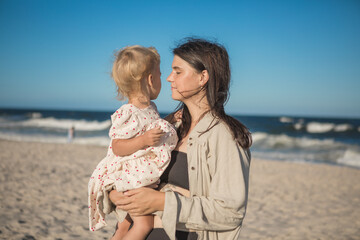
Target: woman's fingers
(123, 201)
(133, 201)
(133, 192)
(128, 208)
(132, 207)
(133, 210)
(141, 201)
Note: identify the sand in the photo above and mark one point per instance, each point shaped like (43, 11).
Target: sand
(44, 196)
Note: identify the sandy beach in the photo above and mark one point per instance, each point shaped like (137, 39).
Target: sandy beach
(44, 196)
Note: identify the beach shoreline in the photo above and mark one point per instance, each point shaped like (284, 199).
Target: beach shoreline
(44, 195)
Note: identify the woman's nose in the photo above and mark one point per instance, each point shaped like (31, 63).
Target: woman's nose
(169, 78)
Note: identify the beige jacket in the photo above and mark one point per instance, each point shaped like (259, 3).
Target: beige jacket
(218, 181)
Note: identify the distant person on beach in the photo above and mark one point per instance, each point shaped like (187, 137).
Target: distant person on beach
(141, 142)
(71, 134)
(210, 164)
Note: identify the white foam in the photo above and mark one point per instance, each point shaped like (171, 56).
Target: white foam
(350, 158)
(99, 141)
(343, 127)
(289, 157)
(283, 141)
(257, 136)
(287, 148)
(32, 138)
(286, 120)
(315, 127)
(79, 125)
(35, 115)
(298, 126)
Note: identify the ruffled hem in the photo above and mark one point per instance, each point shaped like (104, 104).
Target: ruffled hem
(142, 168)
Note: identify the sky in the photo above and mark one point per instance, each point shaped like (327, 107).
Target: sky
(291, 57)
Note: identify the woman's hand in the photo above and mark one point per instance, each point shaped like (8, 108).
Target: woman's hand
(140, 201)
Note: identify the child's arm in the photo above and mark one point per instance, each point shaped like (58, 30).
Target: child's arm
(125, 147)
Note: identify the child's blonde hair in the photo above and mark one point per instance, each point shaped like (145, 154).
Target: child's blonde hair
(132, 65)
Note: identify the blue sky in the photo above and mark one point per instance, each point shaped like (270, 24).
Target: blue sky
(287, 57)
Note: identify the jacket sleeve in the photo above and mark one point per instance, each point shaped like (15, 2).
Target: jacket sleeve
(224, 207)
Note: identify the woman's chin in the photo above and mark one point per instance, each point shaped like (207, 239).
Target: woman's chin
(176, 96)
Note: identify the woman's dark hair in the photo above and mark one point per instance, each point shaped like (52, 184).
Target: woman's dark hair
(213, 57)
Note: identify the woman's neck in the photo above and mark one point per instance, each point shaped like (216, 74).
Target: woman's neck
(197, 109)
(139, 100)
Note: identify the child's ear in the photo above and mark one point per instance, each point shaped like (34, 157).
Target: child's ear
(150, 80)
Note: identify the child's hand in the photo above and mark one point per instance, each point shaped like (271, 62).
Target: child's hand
(152, 137)
(174, 118)
(178, 115)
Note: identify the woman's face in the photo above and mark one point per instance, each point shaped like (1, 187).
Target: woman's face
(185, 81)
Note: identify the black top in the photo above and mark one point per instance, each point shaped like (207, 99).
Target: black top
(177, 174)
(177, 171)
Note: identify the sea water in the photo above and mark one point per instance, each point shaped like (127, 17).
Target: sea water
(301, 139)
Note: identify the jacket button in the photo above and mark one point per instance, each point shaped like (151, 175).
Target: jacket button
(190, 144)
(190, 138)
(192, 168)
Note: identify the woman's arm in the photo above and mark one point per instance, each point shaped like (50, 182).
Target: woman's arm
(125, 147)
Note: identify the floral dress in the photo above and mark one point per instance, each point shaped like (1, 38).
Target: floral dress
(142, 168)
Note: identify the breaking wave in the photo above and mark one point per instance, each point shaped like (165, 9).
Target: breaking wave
(285, 147)
(79, 125)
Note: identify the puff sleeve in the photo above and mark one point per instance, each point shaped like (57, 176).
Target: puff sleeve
(125, 125)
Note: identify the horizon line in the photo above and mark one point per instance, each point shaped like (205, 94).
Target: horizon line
(167, 112)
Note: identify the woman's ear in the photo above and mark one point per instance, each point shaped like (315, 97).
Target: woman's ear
(204, 78)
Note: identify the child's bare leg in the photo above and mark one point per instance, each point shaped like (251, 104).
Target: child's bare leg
(122, 228)
(142, 226)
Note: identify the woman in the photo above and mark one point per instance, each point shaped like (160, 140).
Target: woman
(215, 147)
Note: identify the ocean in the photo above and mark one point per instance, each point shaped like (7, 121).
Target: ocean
(301, 139)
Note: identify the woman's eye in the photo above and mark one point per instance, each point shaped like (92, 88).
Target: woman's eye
(177, 72)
